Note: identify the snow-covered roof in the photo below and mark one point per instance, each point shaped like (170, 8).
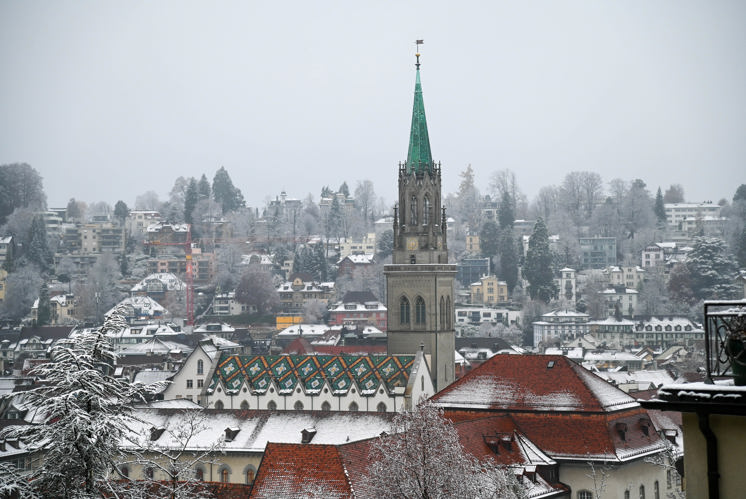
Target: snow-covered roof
(643, 378)
(142, 306)
(304, 330)
(612, 291)
(157, 227)
(359, 259)
(257, 428)
(167, 279)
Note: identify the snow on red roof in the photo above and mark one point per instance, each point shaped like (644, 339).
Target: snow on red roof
(533, 383)
(286, 471)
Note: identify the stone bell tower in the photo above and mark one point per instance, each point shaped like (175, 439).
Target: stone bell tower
(419, 281)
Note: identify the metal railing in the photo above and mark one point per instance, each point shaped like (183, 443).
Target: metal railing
(722, 319)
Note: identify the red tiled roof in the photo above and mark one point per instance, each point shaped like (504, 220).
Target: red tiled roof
(532, 383)
(288, 470)
(610, 436)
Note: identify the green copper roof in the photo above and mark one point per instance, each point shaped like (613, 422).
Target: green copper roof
(419, 157)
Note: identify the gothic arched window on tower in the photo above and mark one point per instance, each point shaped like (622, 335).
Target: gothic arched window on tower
(442, 313)
(413, 211)
(426, 210)
(404, 310)
(448, 313)
(419, 317)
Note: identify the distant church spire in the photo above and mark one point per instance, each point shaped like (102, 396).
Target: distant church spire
(419, 157)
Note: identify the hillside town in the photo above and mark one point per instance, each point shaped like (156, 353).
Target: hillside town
(583, 344)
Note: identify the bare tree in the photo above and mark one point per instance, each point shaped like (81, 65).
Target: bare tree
(423, 458)
(171, 458)
(257, 289)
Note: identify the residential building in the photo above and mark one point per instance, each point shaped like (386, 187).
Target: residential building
(668, 331)
(614, 333)
(203, 265)
(301, 289)
(677, 213)
(63, 309)
(560, 326)
(653, 255)
(226, 304)
(477, 315)
(366, 245)
(621, 299)
(355, 264)
(7, 249)
(139, 308)
(104, 237)
(488, 291)
(3, 279)
(138, 221)
(420, 281)
(631, 277)
(597, 252)
(358, 307)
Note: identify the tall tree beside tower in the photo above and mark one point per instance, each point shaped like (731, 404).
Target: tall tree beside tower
(538, 268)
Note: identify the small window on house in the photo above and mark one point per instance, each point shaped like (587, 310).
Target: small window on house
(250, 473)
(326, 407)
(381, 407)
(422, 383)
(353, 407)
(656, 490)
(298, 406)
(219, 404)
(125, 471)
(149, 473)
(199, 473)
(404, 310)
(585, 494)
(190, 383)
(244, 406)
(272, 406)
(200, 367)
(642, 492)
(225, 474)
(626, 494)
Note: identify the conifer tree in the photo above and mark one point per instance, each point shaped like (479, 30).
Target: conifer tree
(44, 309)
(538, 268)
(660, 208)
(38, 252)
(508, 258)
(191, 198)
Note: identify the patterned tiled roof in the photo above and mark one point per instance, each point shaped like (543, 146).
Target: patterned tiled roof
(311, 372)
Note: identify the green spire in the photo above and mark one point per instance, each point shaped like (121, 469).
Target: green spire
(419, 157)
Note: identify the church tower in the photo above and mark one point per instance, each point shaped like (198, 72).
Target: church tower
(419, 281)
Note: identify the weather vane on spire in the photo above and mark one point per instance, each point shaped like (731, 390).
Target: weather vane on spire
(417, 54)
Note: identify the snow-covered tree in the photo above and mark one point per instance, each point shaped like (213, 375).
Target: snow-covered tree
(423, 458)
(712, 269)
(81, 413)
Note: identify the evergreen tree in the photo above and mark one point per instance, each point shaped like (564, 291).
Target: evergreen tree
(508, 258)
(538, 268)
(44, 310)
(344, 189)
(121, 211)
(20, 187)
(38, 252)
(385, 244)
(489, 238)
(225, 193)
(506, 211)
(191, 198)
(660, 208)
(124, 265)
(320, 266)
(334, 219)
(203, 187)
(712, 269)
(83, 412)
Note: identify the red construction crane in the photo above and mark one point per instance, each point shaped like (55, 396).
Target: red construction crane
(187, 245)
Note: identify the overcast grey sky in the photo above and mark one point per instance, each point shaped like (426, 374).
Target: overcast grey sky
(110, 99)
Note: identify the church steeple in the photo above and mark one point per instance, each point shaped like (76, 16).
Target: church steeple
(419, 157)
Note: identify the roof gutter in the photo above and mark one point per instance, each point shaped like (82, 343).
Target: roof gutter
(713, 474)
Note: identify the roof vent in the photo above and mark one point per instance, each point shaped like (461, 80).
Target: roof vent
(230, 433)
(550, 364)
(156, 432)
(671, 435)
(307, 435)
(493, 442)
(645, 426)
